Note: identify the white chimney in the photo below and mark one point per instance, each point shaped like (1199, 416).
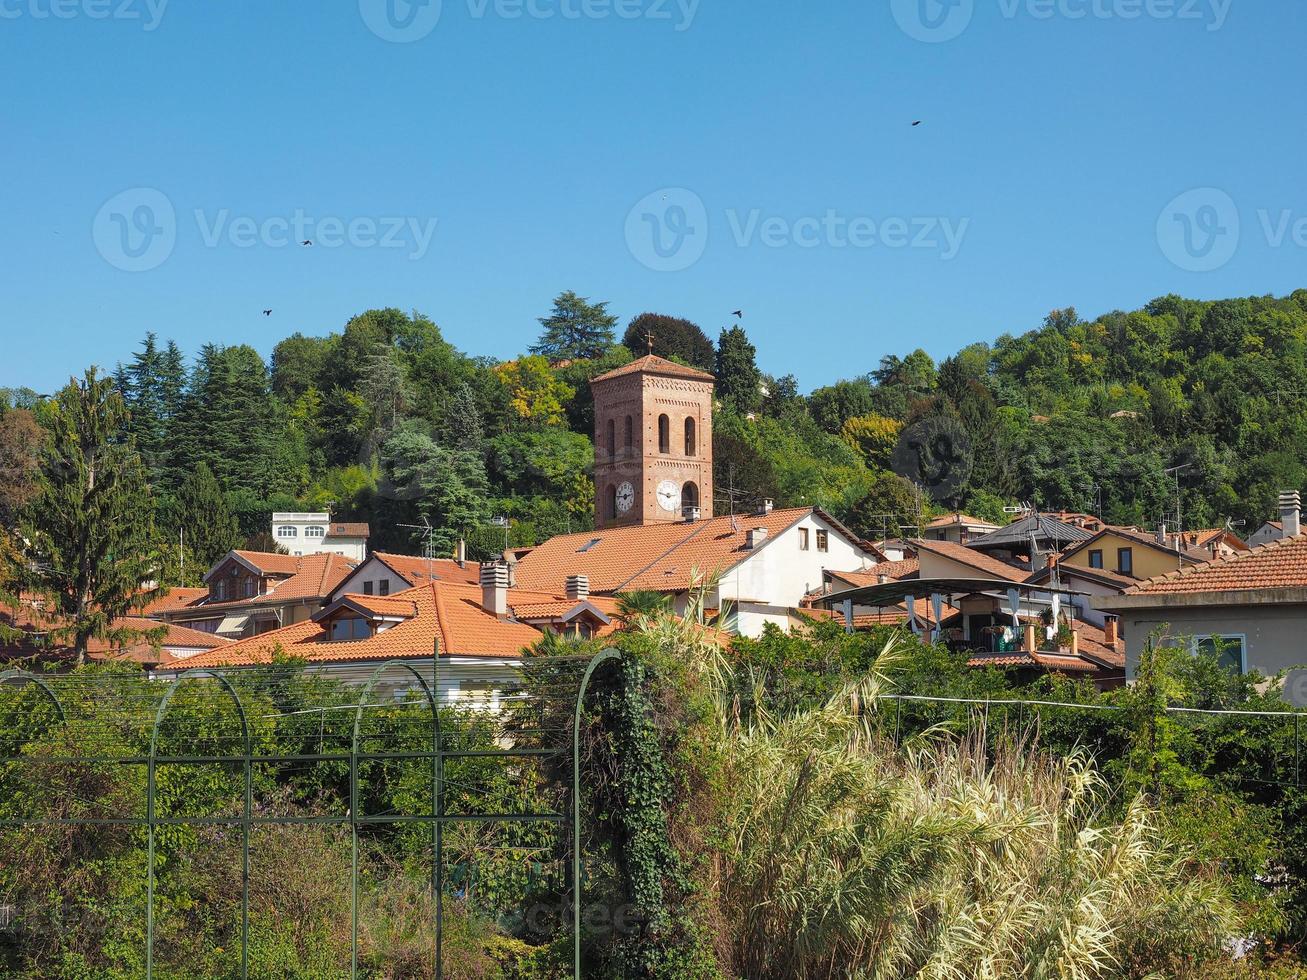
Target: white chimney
(1291, 513)
(460, 552)
(1161, 533)
(691, 514)
(494, 588)
(755, 537)
(578, 587)
(765, 507)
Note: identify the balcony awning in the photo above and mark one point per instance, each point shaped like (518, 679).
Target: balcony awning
(892, 593)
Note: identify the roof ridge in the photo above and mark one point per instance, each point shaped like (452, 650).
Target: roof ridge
(441, 618)
(689, 537)
(1223, 559)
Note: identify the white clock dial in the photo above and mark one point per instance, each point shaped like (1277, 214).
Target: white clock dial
(625, 497)
(669, 496)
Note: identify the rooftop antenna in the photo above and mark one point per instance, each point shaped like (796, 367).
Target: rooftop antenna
(430, 532)
(1176, 471)
(505, 523)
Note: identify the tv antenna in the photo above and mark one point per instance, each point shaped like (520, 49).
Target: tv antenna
(430, 549)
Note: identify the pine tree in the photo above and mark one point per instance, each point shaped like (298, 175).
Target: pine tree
(739, 382)
(576, 329)
(147, 406)
(90, 529)
(463, 424)
(204, 519)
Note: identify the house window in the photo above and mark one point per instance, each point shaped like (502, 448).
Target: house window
(823, 540)
(664, 434)
(314, 531)
(384, 587)
(220, 590)
(690, 447)
(1125, 561)
(249, 588)
(350, 629)
(803, 539)
(1228, 649)
(288, 532)
(1096, 558)
(367, 588)
(612, 438)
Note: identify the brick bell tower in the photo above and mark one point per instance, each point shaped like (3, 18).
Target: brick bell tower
(653, 443)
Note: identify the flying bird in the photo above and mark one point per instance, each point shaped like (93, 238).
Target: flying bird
(917, 123)
(306, 242)
(739, 313)
(267, 312)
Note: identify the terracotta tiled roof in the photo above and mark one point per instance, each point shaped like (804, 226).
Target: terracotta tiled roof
(652, 364)
(415, 570)
(389, 607)
(339, 530)
(316, 577)
(448, 612)
(1047, 661)
(1279, 564)
(960, 553)
(269, 562)
(894, 570)
(659, 557)
(139, 649)
(1066, 570)
(175, 598)
(1094, 642)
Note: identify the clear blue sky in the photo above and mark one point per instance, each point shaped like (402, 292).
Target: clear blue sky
(1058, 140)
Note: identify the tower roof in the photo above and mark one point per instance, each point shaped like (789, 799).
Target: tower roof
(652, 364)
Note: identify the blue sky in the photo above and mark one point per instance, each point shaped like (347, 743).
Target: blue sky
(768, 144)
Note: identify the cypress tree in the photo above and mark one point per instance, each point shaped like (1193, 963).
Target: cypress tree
(739, 382)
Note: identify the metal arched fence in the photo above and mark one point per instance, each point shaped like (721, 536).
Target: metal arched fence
(531, 720)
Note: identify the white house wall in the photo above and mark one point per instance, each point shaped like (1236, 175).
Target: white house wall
(776, 577)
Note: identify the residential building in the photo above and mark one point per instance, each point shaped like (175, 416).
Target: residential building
(1251, 607)
(958, 528)
(251, 592)
(478, 631)
(764, 562)
(1216, 541)
(1131, 553)
(386, 574)
(653, 444)
(318, 534)
(1031, 539)
(132, 639)
(1268, 531)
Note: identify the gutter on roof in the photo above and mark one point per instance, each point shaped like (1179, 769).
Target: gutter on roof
(1191, 600)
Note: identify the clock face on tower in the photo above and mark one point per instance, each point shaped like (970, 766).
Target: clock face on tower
(669, 496)
(625, 497)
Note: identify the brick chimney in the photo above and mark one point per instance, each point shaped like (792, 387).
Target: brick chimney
(1291, 513)
(578, 587)
(494, 588)
(1109, 632)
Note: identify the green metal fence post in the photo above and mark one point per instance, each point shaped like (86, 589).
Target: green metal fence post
(150, 786)
(603, 656)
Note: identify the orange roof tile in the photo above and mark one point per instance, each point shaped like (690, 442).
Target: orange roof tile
(449, 613)
(652, 364)
(415, 569)
(175, 598)
(348, 530)
(978, 560)
(894, 570)
(960, 518)
(1279, 564)
(269, 562)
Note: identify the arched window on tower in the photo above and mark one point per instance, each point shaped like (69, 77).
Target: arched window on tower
(611, 505)
(690, 447)
(629, 435)
(689, 498)
(612, 438)
(664, 434)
